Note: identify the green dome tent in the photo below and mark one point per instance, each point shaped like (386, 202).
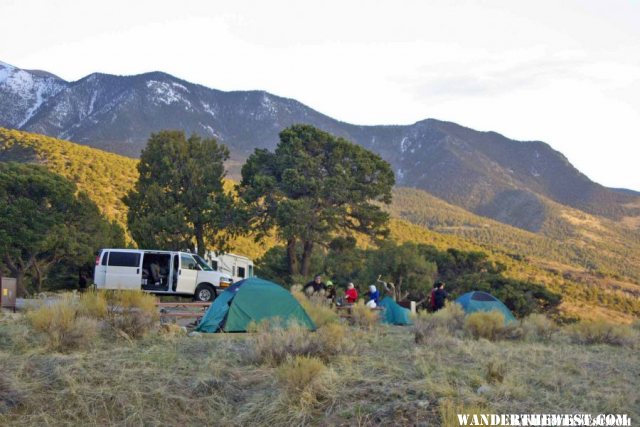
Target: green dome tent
(252, 300)
(393, 313)
(482, 301)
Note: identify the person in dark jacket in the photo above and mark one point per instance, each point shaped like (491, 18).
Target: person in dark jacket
(440, 296)
(432, 297)
(331, 292)
(316, 286)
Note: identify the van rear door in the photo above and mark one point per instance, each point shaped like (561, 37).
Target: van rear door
(100, 271)
(124, 270)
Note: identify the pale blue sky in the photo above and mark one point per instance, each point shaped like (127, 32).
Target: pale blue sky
(565, 72)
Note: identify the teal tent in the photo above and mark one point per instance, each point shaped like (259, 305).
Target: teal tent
(482, 301)
(252, 300)
(393, 313)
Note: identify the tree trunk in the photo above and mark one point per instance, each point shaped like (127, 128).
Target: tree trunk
(199, 232)
(399, 289)
(292, 257)
(17, 270)
(38, 277)
(306, 258)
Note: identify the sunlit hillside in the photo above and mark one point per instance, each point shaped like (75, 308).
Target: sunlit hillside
(596, 244)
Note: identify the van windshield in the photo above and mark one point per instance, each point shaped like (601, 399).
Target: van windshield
(202, 263)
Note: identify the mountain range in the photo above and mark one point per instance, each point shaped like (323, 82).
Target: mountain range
(515, 182)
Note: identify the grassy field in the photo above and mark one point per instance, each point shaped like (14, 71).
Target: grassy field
(343, 374)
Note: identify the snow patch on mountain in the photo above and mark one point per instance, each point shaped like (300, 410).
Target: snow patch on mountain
(165, 93)
(5, 71)
(31, 111)
(268, 104)
(24, 93)
(208, 109)
(179, 86)
(403, 144)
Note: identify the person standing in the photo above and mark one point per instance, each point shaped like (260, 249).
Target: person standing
(432, 296)
(440, 296)
(330, 292)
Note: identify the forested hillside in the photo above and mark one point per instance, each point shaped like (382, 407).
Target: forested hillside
(416, 217)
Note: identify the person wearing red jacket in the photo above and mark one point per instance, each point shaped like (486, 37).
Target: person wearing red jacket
(351, 295)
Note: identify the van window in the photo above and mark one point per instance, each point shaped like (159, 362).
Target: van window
(188, 262)
(241, 272)
(251, 271)
(104, 258)
(124, 259)
(202, 263)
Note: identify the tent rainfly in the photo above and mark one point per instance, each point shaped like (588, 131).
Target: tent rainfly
(253, 300)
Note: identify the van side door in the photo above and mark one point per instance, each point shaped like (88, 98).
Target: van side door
(124, 270)
(187, 274)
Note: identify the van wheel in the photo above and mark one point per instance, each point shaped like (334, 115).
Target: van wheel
(205, 293)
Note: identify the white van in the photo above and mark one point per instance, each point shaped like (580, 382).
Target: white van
(237, 266)
(158, 272)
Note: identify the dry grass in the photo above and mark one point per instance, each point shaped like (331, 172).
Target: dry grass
(273, 343)
(538, 327)
(307, 381)
(488, 325)
(600, 332)
(363, 317)
(72, 323)
(448, 321)
(131, 313)
(449, 412)
(94, 304)
(176, 380)
(317, 308)
(61, 325)
(10, 396)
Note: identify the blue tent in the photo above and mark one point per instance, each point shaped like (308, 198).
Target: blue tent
(394, 313)
(482, 301)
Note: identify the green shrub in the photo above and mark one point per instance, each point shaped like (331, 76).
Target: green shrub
(481, 324)
(600, 332)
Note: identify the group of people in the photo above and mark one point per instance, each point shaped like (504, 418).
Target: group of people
(437, 298)
(351, 295)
